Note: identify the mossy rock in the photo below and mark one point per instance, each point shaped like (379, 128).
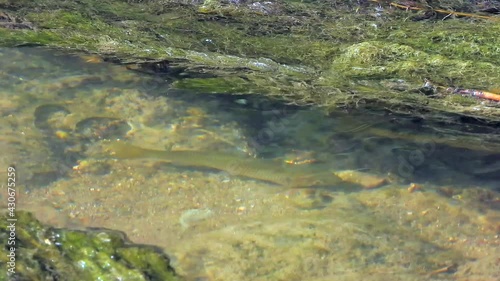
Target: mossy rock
(306, 52)
(46, 253)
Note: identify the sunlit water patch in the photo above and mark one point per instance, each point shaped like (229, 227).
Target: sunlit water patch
(413, 197)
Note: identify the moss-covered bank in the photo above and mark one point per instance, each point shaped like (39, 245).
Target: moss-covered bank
(330, 53)
(45, 253)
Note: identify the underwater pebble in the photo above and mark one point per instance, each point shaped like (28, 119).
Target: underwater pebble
(191, 216)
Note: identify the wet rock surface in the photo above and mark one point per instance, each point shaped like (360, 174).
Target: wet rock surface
(46, 253)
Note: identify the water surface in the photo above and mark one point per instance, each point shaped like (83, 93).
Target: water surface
(440, 208)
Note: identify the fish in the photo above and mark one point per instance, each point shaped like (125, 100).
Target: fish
(267, 170)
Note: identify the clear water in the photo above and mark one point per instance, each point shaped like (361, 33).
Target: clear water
(439, 208)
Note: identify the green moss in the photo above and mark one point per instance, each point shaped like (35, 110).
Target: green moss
(13, 38)
(455, 39)
(375, 59)
(308, 52)
(462, 100)
(213, 85)
(150, 262)
(44, 253)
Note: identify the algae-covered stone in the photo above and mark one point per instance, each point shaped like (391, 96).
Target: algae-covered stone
(45, 253)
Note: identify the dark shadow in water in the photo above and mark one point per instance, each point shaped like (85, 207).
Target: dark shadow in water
(435, 148)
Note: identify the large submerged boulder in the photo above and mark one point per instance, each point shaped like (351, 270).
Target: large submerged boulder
(40, 252)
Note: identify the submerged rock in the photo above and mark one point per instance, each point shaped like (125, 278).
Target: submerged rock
(45, 253)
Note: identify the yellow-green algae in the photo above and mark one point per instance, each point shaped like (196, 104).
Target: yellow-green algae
(44, 253)
(336, 45)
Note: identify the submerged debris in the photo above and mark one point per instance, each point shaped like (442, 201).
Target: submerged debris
(13, 22)
(192, 216)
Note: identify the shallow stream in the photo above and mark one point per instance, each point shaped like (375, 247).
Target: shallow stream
(436, 217)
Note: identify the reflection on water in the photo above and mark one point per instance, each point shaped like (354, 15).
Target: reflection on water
(439, 208)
